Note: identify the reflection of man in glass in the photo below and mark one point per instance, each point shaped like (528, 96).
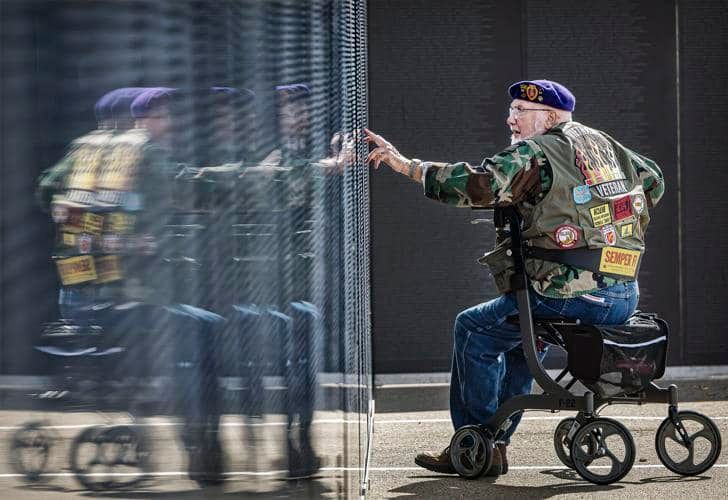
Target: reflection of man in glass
(119, 234)
(299, 195)
(68, 190)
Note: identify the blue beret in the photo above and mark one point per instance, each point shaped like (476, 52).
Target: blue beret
(544, 92)
(150, 99)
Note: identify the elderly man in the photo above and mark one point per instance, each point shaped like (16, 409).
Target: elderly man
(578, 191)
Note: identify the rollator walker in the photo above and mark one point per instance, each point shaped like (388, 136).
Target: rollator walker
(617, 364)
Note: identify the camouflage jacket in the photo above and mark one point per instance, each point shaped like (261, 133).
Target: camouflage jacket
(521, 174)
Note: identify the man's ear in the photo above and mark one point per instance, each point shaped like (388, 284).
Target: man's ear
(553, 119)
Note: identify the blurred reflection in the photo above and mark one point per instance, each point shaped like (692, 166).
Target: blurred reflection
(212, 302)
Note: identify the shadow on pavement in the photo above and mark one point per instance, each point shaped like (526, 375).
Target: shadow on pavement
(454, 487)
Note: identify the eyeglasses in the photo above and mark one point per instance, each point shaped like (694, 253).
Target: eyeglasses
(518, 111)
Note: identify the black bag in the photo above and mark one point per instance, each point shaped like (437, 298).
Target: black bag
(615, 360)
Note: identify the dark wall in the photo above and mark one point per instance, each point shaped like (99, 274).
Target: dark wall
(703, 220)
(437, 74)
(438, 79)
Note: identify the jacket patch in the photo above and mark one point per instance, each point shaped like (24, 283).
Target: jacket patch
(582, 194)
(601, 215)
(566, 235)
(609, 234)
(623, 208)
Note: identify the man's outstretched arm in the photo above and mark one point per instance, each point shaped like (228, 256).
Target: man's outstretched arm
(511, 176)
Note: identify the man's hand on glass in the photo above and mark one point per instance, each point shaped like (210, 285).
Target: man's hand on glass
(385, 152)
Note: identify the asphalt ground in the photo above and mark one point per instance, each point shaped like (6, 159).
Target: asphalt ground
(535, 471)
(256, 456)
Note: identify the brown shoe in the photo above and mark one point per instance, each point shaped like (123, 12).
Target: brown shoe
(436, 462)
(499, 465)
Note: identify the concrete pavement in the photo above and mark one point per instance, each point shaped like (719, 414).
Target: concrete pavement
(535, 470)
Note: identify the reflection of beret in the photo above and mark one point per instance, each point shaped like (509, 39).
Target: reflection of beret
(116, 103)
(228, 94)
(544, 92)
(150, 99)
(120, 108)
(294, 90)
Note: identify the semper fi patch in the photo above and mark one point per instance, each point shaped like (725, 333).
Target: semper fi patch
(566, 235)
(609, 234)
(582, 194)
(619, 261)
(601, 215)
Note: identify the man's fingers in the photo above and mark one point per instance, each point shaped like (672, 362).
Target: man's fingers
(372, 137)
(376, 157)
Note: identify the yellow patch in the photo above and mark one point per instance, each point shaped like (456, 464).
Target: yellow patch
(619, 261)
(626, 230)
(120, 223)
(92, 223)
(69, 239)
(108, 268)
(601, 216)
(76, 270)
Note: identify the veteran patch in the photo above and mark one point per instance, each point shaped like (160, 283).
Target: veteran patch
(619, 261)
(626, 230)
(582, 194)
(601, 215)
(596, 160)
(566, 235)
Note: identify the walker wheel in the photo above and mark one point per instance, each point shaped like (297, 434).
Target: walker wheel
(30, 450)
(603, 451)
(694, 457)
(471, 451)
(562, 443)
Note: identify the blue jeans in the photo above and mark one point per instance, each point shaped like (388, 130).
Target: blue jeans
(489, 366)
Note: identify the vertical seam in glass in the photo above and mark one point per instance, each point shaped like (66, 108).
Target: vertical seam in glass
(681, 283)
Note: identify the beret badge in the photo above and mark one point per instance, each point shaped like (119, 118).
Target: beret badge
(531, 92)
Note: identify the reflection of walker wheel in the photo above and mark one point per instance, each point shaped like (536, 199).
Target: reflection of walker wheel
(691, 452)
(471, 451)
(106, 458)
(603, 451)
(30, 450)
